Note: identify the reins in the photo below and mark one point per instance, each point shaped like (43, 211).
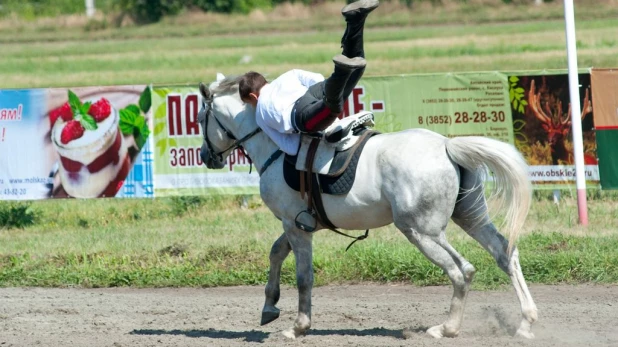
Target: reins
(217, 156)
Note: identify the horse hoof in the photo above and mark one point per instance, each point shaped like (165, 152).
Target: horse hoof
(435, 332)
(527, 334)
(439, 331)
(269, 315)
(290, 333)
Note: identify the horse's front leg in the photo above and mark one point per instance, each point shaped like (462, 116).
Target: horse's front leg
(303, 253)
(279, 251)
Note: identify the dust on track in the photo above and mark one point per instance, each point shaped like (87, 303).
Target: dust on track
(350, 315)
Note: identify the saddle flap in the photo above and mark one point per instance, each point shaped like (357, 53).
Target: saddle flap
(323, 156)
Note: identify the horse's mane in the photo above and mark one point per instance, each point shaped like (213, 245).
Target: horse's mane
(227, 85)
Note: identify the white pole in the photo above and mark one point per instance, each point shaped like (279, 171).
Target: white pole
(90, 9)
(578, 146)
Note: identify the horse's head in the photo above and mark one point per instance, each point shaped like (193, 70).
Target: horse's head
(221, 117)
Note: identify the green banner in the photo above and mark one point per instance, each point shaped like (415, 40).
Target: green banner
(178, 168)
(608, 163)
(489, 104)
(450, 104)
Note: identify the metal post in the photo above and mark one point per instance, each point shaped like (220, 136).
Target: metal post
(578, 146)
(90, 9)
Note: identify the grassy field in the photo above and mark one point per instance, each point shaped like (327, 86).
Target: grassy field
(215, 240)
(194, 47)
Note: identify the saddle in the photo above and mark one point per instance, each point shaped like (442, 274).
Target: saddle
(323, 167)
(341, 136)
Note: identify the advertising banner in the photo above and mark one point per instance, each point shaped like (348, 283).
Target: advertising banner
(144, 141)
(605, 96)
(75, 143)
(449, 104)
(177, 139)
(542, 117)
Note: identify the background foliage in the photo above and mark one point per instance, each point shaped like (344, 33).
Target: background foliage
(148, 11)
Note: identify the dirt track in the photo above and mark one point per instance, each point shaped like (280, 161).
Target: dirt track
(357, 315)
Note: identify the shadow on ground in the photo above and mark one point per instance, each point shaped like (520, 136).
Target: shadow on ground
(260, 336)
(248, 336)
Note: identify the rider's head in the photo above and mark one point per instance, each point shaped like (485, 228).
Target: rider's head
(249, 87)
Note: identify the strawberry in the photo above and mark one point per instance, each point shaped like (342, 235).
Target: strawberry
(63, 112)
(100, 110)
(72, 130)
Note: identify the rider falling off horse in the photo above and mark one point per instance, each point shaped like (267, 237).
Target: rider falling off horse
(300, 101)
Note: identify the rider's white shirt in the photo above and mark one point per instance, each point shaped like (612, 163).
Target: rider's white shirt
(274, 107)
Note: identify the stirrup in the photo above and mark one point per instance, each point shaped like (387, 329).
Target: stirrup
(303, 226)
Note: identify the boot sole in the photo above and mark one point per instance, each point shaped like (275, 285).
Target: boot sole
(350, 65)
(363, 6)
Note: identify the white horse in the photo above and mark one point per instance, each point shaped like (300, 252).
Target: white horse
(416, 179)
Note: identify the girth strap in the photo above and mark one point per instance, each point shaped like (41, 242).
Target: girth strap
(314, 196)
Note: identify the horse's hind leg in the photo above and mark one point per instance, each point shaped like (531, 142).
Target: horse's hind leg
(279, 251)
(471, 215)
(435, 247)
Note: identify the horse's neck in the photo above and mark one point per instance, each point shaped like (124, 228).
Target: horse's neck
(260, 147)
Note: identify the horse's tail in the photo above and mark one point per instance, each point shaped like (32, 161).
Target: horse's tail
(510, 176)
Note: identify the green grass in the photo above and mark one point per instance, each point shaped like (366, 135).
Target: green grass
(213, 242)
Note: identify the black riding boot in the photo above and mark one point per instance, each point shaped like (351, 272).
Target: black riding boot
(352, 39)
(334, 87)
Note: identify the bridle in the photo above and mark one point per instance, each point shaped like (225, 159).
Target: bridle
(217, 157)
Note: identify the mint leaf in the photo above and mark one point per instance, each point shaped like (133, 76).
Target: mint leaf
(85, 107)
(75, 103)
(86, 121)
(127, 121)
(141, 131)
(134, 109)
(127, 116)
(139, 122)
(127, 129)
(145, 100)
(140, 141)
(145, 131)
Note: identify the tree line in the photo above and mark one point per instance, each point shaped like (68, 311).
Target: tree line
(148, 11)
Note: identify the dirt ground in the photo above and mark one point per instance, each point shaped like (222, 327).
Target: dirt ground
(354, 315)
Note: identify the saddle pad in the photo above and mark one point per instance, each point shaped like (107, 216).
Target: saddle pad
(333, 185)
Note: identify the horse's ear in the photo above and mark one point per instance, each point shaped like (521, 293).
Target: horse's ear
(220, 77)
(204, 91)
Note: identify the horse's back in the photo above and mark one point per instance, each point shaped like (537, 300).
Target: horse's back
(409, 149)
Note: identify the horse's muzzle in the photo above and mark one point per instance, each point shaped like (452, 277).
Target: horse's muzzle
(210, 160)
